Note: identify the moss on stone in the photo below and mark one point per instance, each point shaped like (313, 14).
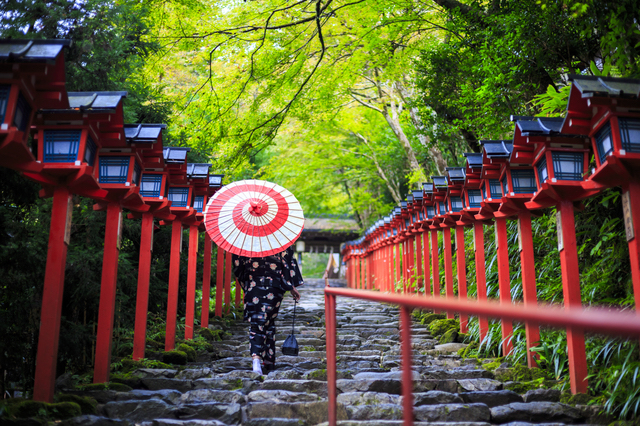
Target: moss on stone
(174, 357)
(491, 365)
(211, 335)
(439, 327)
(86, 403)
(54, 411)
(520, 373)
(577, 399)
(191, 353)
(118, 387)
(429, 318)
(318, 375)
(468, 351)
(522, 387)
(449, 336)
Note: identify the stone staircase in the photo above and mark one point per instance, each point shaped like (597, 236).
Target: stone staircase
(448, 390)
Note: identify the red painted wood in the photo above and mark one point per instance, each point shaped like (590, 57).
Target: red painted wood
(462, 275)
(192, 265)
(227, 281)
(571, 291)
(504, 280)
(48, 337)
(481, 275)
(529, 292)
(407, 371)
(427, 268)
(108, 288)
(633, 188)
(142, 297)
(330, 322)
(219, 281)
(435, 266)
(412, 265)
(448, 267)
(419, 262)
(206, 282)
(357, 272)
(399, 275)
(174, 283)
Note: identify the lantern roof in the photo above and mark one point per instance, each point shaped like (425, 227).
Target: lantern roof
(497, 148)
(533, 126)
(198, 170)
(418, 195)
(440, 182)
(215, 180)
(585, 89)
(143, 133)
(474, 159)
(95, 101)
(175, 154)
(455, 174)
(428, 187)
(387, 220)
(403, 205)
(31, 50)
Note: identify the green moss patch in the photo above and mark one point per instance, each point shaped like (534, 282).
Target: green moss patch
(429, 318)
(86, 403)
(189, 351)
(174, 357)
(577, 399)
(439, 327)
(118, 387)
(212, 335)
(521, 373)
(54, 411)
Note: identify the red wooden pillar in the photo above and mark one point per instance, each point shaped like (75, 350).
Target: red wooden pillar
(219, 280)
(174, 283)
(405, 265)
(51, 311)
(427, 269)
(448, 267)
(191, 282)
(435, 266)
(530, 296)
(142, 296)
(411, 265)
(631, 207)
(504, 283)
(399, 275)
(571, 289)
(227, 282)
(206, 282)
(481, 274)
(108, 287)
(462, 274)
(419, 257)
(357, 265)
(389, 272)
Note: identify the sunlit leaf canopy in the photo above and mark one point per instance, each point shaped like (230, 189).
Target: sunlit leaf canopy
(348, 103)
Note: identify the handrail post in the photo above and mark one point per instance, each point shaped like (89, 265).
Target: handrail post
(448, 267)
(330, 336)
(407, 372)
(481, 275)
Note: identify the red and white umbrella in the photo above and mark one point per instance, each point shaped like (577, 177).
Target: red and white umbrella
(253, 218)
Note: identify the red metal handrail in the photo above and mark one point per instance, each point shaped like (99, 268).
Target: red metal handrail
(606, 321)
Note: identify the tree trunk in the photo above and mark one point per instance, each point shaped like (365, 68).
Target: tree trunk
(391, 186)
(390, 114)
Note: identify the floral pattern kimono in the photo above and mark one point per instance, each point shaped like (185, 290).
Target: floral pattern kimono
(264, 281)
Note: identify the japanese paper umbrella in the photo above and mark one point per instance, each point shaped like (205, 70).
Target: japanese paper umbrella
(253, 218)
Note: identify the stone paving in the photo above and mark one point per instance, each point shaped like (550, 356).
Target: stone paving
(222, 390)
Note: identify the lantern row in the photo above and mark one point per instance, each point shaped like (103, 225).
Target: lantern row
(546, 164)
(78, 143)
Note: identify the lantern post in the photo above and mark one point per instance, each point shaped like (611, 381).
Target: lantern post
(606, 110)
(428, 211)
(418, 219)
(146, 139)
(440, 185)
(561, 165)
(455, 203)
(472, 196)
(180, 194)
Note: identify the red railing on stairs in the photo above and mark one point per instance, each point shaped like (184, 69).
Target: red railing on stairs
(611, 322)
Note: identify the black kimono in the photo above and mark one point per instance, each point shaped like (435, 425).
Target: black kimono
(264, 281)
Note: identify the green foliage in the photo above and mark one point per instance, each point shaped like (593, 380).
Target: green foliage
(427, 318)
(188, 350)
(44, 410)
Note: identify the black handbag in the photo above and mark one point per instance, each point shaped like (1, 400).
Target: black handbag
(290, 345)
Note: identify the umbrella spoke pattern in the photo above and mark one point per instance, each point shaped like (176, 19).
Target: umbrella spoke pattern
(254, 218)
